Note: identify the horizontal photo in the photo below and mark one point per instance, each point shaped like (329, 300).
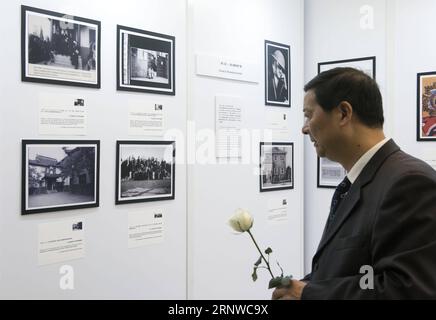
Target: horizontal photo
(60, 49)
(145, 61)
(145, 171)
(59, 175)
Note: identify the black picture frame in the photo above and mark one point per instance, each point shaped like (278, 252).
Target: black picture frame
(269, 178)
(354, 62)
(145, 61)
(59, 175)
(59, 49)
(426, 106)
(334, 168)
(144, 174)
(277, 60)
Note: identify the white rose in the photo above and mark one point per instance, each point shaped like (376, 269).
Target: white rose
(241, 221)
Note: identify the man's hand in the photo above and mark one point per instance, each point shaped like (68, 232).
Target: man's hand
(292, 291)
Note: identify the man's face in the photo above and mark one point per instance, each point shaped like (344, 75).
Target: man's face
(319, 125)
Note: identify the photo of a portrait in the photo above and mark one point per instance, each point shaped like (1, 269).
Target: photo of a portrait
(276, 166)
(59, 175)
(277, 74)
(59, 49)
(426, 108)
(145, 61)
(145, 171)
(331, 173)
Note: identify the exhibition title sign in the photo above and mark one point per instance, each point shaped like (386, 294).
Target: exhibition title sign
(227, 68)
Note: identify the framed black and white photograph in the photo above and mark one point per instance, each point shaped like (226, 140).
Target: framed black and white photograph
(59, 175)
(58, 48)
(276, 166)
(426, 106)
(145, 61)
(277, 74)
(145, 171)
(366, 64)
(331, 173)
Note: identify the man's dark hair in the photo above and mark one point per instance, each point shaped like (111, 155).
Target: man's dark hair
(354, 86)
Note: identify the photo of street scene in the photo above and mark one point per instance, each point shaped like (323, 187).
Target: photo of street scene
(60, 176)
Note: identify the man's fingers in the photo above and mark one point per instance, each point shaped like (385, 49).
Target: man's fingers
(279, 293)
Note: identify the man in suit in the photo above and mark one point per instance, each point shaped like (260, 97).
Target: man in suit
(380, 238)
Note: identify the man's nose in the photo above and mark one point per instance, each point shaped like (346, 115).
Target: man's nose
(305, 129)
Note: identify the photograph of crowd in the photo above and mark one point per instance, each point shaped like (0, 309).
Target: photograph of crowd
(145, 61)
(60, 48)
(276, 166)
(426, 127)
(145, 171)
(59, 175)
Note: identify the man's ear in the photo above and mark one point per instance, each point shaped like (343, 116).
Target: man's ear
(345, 111)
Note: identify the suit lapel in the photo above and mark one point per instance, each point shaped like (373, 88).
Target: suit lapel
(344, 210)
(346, 206)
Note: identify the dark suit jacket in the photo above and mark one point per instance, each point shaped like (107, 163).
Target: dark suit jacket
(388, 222)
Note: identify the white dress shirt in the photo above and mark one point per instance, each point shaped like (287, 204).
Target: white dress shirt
(355, 171)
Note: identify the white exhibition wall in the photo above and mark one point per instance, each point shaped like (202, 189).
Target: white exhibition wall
(400, 38)
(221, 262)
(200, 257)
(206, 194)
(109, 270)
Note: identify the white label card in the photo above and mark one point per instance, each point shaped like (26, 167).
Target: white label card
(277, 210)
(62, 114)
(61, 241)
(146, 227)
(228, 126)
(146, 119)
(227, 68)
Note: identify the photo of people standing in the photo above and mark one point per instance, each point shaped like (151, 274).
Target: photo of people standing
(57, 43)
(145, 171)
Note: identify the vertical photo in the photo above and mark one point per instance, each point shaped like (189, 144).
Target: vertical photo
(59, 175)
(277, 74)
(145, 171)
(145, 61)
(426, 118)
(276, 166)
(59, 48)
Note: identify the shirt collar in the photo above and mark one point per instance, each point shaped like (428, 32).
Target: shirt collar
(355, 171)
